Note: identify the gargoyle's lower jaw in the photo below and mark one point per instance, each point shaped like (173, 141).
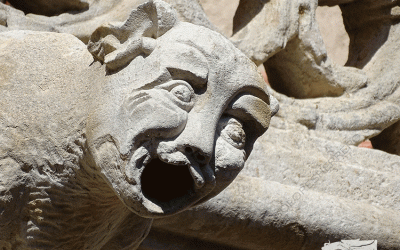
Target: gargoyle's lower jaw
(167, 189)
(148, 186)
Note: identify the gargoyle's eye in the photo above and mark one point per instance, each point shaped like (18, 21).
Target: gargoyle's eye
(179, 92)
(182, 92)
(232, 132)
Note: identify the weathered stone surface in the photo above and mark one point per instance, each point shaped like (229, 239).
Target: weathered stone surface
(301, 69)
(80, 23)
(86, 16)
(301, 193)
(160, 117)
(306, 182)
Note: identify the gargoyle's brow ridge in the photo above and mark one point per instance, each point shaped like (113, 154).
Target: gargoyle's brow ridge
(196, 80)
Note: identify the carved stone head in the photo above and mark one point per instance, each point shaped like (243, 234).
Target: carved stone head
(177, 116)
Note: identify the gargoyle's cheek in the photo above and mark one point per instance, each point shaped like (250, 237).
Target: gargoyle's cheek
(107, 158)
(153, 118)
(229, 160)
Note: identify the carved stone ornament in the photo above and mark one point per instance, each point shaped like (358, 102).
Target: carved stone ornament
(159, 116)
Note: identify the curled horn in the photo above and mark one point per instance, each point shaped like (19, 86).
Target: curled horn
(118, 43)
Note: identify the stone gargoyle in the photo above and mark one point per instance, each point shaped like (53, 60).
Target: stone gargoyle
(153, 117)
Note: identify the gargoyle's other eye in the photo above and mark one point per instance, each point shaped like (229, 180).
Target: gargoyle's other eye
(182, 92)
(232, 132)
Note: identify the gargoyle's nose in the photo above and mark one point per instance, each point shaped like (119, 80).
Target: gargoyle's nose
(182, 152)
(196, 154)
(195, 143)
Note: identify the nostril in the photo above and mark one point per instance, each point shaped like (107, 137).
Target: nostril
(196, 153)
(200, 157)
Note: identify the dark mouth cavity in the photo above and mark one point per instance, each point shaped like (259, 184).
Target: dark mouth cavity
(163, 182)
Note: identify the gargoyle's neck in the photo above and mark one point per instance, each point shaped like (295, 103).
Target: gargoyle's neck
(81, 213)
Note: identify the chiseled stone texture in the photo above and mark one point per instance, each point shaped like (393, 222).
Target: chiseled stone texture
(306, 182)
(81, 17)
(158, 117)
(299, 192)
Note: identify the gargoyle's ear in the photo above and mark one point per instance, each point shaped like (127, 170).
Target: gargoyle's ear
(116, 44)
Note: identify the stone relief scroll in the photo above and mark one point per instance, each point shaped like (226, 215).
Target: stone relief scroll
(152, 117)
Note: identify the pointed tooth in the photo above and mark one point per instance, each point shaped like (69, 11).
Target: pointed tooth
(197, 175)
(147, 159)
(140, 157)
(209, 173)
(129, 173)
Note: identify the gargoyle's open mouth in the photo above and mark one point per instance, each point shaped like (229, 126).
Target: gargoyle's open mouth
(163, 182)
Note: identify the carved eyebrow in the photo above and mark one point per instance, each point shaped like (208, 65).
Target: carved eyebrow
(248, 107)
(184, 62)
(198, 79)
(187, 62)
(192, 65)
